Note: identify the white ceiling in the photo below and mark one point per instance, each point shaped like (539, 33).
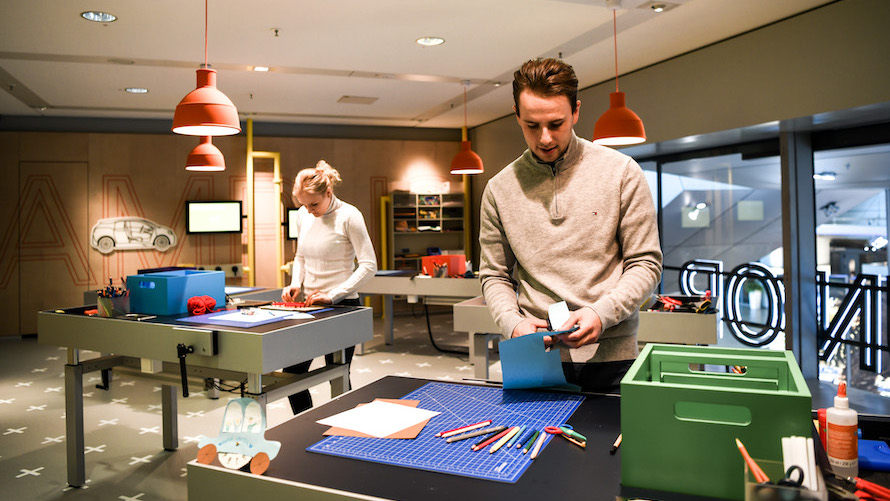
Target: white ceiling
(54, 63)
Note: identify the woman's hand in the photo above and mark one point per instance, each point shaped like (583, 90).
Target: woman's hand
(289, 294)
(318, 297)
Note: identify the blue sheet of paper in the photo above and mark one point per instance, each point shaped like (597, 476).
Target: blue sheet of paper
(525, 363)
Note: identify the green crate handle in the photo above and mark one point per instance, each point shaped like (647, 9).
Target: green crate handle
(711, 413)
(760, 368)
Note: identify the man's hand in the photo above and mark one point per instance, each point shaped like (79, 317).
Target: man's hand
(530, 325)
(589, 328)
(318, 297)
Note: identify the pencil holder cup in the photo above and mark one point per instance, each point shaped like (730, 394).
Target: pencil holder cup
(770, 492)
(113, 306)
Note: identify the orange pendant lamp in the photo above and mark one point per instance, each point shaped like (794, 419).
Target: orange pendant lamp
(618, 126)
(206, 111)
(466, 161)
(205, 157)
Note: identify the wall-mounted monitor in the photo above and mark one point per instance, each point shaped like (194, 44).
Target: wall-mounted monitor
(213, 216)
(290, 223)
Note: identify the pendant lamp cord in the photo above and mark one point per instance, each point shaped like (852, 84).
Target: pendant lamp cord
(205, 33)
(615, 44)
(465, 106)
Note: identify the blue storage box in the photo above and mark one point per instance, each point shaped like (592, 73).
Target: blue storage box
(168, 292)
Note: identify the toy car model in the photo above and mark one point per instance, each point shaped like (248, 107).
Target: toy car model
(123, 233)
(241, 438)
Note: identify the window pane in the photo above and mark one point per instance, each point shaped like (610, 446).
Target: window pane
(851, 242)
(729, 209)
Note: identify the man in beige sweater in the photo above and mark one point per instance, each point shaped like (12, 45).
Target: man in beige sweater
(568, 220)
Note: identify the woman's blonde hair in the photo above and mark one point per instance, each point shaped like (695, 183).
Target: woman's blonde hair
(318, 179)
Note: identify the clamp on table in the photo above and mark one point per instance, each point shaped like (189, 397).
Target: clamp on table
(181, 351)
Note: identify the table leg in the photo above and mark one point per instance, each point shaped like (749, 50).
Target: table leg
(74, 424)
(340, 385)
(479, 356)
(210, 388)
(255, 389)
(387, 318)
(170, 417)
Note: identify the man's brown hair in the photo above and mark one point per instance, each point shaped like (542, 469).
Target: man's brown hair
(546, 77)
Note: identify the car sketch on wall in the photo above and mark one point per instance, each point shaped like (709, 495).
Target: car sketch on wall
(128, 233)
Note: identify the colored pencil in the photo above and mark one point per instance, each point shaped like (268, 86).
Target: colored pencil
(487, 437)
(461, 429)
(482, 445)
(515, 437)
(616, 445)
(500, 443)
(759, 475)
(530, 442)
(475, 433)
(528, 433)
(538, 445)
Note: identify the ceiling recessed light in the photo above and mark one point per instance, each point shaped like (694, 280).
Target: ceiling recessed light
(136, 90)
(98, 16)
(430, 41)
(657, 6)
(260, 68)
(825, 176)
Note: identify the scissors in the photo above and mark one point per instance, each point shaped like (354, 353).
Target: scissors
(568, 433)
(670, 303)
(863, 489)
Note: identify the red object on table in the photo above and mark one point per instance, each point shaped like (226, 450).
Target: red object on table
(457, 263)
(199, 305)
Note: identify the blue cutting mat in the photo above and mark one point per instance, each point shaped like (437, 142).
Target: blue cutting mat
(461, 405)
(237, 318)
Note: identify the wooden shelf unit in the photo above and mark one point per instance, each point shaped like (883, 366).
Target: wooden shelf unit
(419, 222)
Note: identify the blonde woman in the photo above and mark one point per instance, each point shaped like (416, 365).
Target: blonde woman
(332, 238)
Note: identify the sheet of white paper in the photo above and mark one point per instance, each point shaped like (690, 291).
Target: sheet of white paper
(558, 314)
(378, 419)
(258, 315)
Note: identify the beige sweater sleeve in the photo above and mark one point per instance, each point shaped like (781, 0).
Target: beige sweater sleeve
(497, 261)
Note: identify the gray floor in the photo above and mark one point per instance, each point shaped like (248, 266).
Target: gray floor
(124, 456)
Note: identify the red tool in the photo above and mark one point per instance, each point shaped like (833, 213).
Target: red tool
(870, 489)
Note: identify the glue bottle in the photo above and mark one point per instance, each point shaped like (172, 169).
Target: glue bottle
(843, 453)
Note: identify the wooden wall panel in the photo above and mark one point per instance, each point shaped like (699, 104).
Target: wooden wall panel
(66, 182)
(54, 238)
(9, 234)
(53, 147)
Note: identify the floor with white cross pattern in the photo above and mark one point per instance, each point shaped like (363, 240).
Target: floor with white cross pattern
(124, 456)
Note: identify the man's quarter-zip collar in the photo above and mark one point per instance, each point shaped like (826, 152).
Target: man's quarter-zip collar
(569, 158)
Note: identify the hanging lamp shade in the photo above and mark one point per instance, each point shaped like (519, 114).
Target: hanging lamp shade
(618, 125)
(206, 111)
(205, 157)
(466, 161)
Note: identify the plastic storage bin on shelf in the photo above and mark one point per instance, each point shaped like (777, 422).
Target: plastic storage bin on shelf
(679, 424)
(168, 292)
(456, 263)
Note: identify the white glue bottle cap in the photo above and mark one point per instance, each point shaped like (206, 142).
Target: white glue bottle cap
(840, 400)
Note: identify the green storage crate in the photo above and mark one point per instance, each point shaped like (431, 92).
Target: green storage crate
(679, 421)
